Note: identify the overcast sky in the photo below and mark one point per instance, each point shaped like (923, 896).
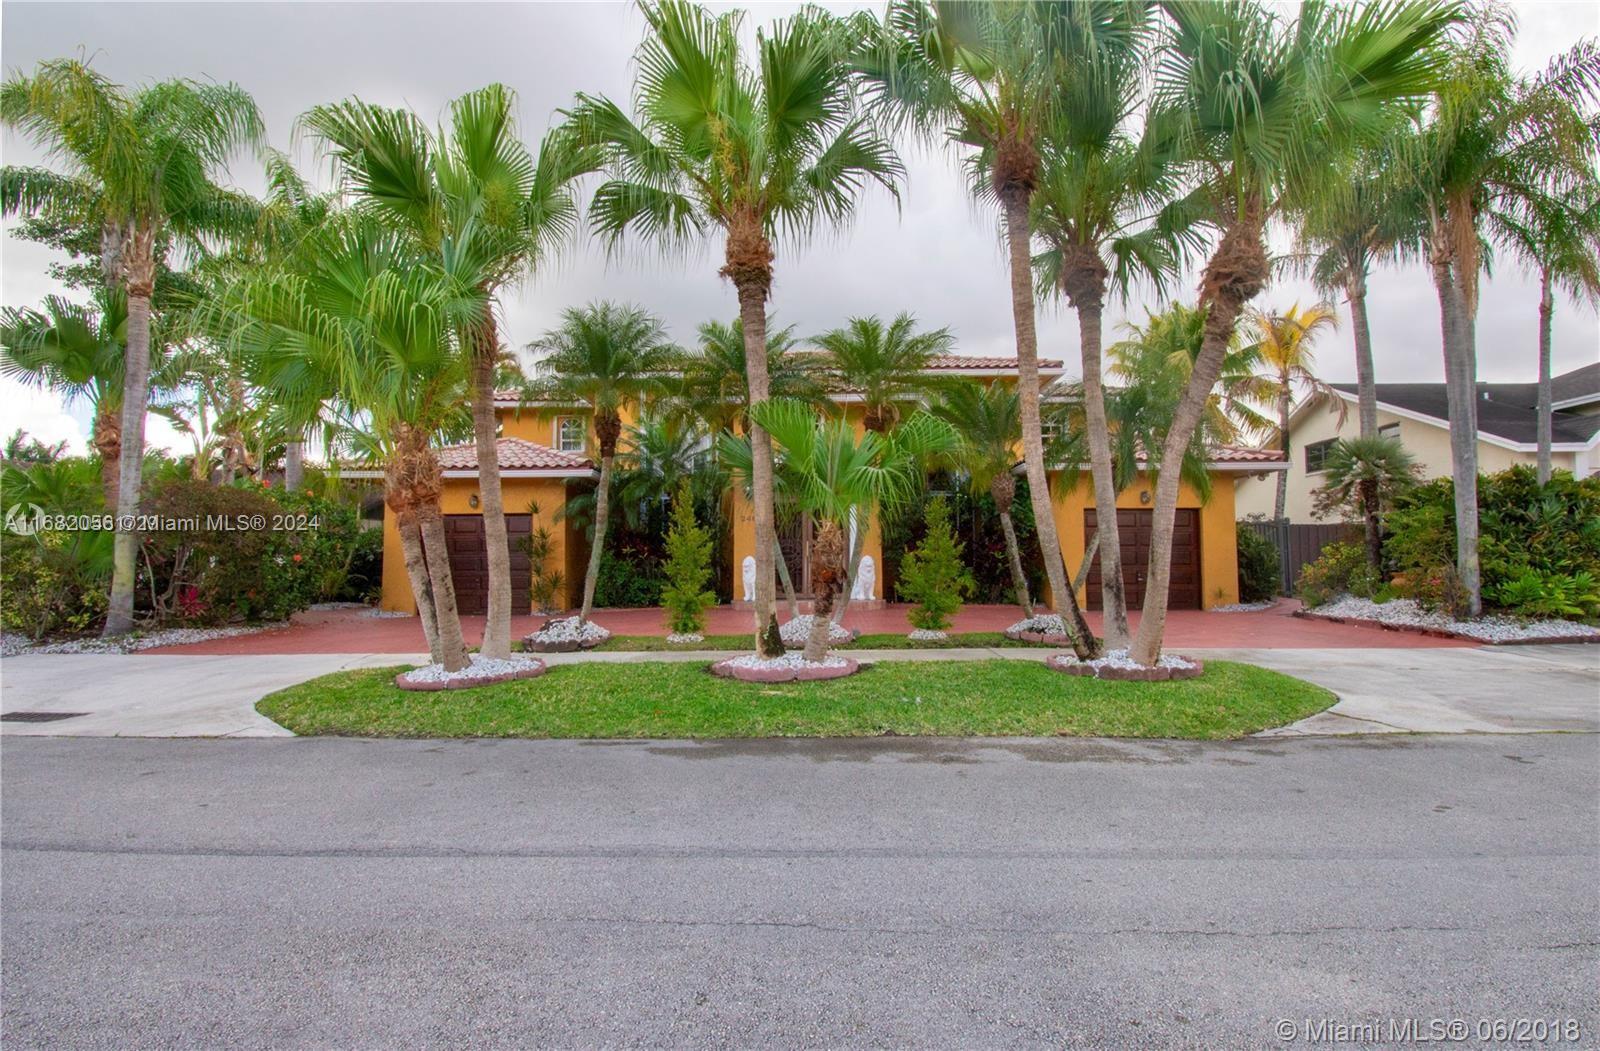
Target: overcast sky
(937, 255)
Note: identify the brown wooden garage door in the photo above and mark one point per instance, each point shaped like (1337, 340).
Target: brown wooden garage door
(1134, 527)
(469, 562)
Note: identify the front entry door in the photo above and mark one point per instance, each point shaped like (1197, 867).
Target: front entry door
(1134, 527)
(794, 540)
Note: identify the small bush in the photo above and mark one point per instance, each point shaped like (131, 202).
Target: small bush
(1259, 570)
(1340, 569)
(688, 569)
(54, 583)
(932, 575)
(545, 582)
(1537, 594)
(628, 578)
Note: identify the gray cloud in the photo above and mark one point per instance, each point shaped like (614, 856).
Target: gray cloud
(936, 254)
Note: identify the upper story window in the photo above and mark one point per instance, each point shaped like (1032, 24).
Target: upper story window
(1317, 455)
(1390, 431)
(572, 434)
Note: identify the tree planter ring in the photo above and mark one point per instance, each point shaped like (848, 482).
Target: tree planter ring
(728, 670)
(405, 682)
(1069, 665)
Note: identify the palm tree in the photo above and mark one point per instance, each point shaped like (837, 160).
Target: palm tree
(490, 212)
(369, 322)
(745, 149)
(836, 473)
(1492, 141)
(1257, 103)
(988, 77)
(1105, 208)
(988, 421)
(713, 389)
(1559, 236)
(138, 166)
(886, 366)
(1366, 474)
(606, 356)
(1283, 342)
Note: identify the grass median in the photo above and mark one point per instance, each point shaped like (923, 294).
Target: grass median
(877, 641)
(911, 698)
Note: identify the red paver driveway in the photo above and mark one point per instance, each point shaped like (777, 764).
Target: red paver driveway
(353, 631)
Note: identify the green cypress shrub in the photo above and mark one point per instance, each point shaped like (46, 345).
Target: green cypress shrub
(932, 574)
(687, 569)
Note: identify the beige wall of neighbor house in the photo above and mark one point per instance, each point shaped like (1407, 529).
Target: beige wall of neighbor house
(1428, 444)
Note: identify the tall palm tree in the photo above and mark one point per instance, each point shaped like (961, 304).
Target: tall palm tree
(713, 389)
(138, 165)
(369, 322)
(1283, 342)
(836, 473)
(1365, 475)
(608, 357)
(748, 147)
(1257, 103)
(987, 77)
(472, 195)
(885, 365)
(988, 421)
(1490, 142)
(1559, 237)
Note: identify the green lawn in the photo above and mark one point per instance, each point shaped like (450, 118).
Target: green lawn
(667, 700)
(887, 641)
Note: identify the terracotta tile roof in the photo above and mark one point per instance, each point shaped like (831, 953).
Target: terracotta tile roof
(963, 361)
(1243, 454)
(516, 454)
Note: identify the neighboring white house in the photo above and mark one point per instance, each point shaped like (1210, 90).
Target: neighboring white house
(1417, 414)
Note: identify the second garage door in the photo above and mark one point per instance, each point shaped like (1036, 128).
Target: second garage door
(1134, 526)
(469, 562)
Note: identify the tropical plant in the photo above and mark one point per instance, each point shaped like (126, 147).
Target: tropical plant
(1491, 142)
(1259, 567)
(748, 148)
(138, 168)
(834, 472)
(545, 581)
(1365, 475)
(931, 574)
(688, 568)
(24, 450)
(1257, 103)
(713, 389)
(489, 212)
(988, 78)
(1283, 343)
(1341, 569)
(988, 422)
(658, 457)
(608, 357)
(886, 366)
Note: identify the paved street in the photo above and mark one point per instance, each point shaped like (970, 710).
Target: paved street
(1042, 893)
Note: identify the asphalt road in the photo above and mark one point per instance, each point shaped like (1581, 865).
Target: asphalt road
(913, 893)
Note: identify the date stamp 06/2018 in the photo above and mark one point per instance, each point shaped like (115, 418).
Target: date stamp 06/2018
(1335, 1031)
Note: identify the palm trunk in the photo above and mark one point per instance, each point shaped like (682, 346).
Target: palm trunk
(1366, 379)
(1280, 502)
(1546, 310)
(1236, 272)
(852, 567)
(107, 440)
(1066, 602)
(1460, 374)
(294, 466)
(602, 517)
(753, 319)
(1114, 601)
(497, 624)
(1003, 490)
(1369, 509)
(1089, 550)
(782, 565)
(827, 552)
(417, 574)
(452, 647)
(140, 263)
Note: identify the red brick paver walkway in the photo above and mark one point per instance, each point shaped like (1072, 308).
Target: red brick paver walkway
(352, 631)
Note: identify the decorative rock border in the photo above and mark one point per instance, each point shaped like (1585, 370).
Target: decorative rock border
(405, 683)
(1069, 665)
(728, 670)
(1445, 633)
(533, 644)
(1036, 636)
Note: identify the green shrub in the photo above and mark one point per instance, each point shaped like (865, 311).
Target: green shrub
(630, 577)
(1535, 542)
(544, 582)
(688, 569)
(932, 575)
(1259, 568)
(54, 583)
(1340, 569)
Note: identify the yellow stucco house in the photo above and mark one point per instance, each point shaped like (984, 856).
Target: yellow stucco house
(546, 449)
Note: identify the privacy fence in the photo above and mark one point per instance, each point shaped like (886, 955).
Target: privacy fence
(1299, 543)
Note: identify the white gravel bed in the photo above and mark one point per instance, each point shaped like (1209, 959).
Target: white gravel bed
(479, 667)
(1120, 659)
(927, 635)
(687, 637)
(386, 614)
(135, 643)
(1244, 607)
(1493, 628)
(797, 631)
(795, 659)
(1042, 623)
(570, 629)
